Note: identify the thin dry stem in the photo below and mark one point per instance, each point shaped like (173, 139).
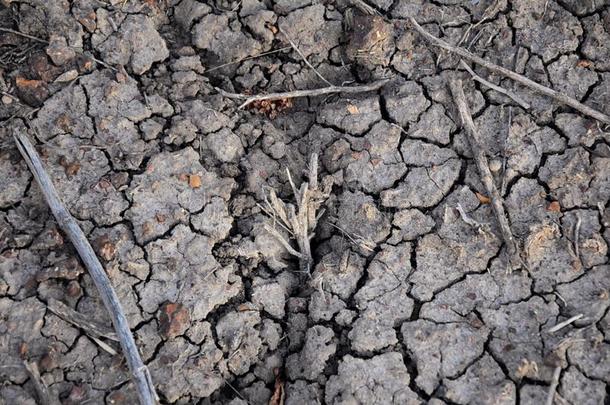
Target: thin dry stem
(44, 41)
(470, 221)
(559, 97)
(356, 239)
(497, 204)
(248, 58)
(303, 93)
(296, 48)
(495, 87)
(565, 323)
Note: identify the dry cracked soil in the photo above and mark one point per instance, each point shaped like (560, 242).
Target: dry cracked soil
(408, 300)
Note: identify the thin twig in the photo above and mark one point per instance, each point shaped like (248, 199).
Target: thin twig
(304, 93)
(457, 91)
(248, 58)
(44, 41)
(553, 386)
(283, 241)
(144, 387)
(296, 48)
(561, 98)
(495, 87)
(484, 18)
(21, 34)
(79, 320)
(357, 240)
(504, 157)
(42, 391)
(565, 323)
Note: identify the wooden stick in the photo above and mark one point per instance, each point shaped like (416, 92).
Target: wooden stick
(248, 58)
(495, 87)
(561, 98)
(304, 93)
(457, 91)
(139, 372)
(42, 391)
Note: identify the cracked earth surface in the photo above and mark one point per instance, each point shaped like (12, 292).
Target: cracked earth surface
(407, 303)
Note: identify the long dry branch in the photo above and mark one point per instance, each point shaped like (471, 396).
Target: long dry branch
(455, 85)
(557, 96)
(139, 372)
(304, 93)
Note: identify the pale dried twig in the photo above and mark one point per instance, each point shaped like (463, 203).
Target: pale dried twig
(553, 386)
(561, 98)
(303, 93)
(296, 48)
(248, 58)
(356, 239)
(44, 41)
(106, 347)
(457, 91)
(470, 221)
(565, 323)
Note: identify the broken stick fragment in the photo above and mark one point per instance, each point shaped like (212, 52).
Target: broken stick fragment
(455, 85)
(139, 372)
(555, 95)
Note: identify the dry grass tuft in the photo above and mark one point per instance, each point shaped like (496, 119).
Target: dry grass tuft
(298, 220)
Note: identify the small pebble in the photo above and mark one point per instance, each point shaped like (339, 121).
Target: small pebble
(495, 165)
(6, 100)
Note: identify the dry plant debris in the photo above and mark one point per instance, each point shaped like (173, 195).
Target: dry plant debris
(408, 300)
(300, 219)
